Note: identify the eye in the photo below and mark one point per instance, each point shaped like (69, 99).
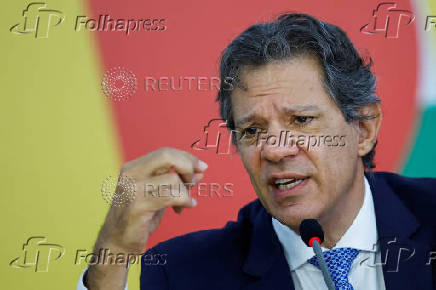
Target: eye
(303, 120)
(250, 132)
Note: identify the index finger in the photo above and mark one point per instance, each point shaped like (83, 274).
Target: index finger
(182, 162)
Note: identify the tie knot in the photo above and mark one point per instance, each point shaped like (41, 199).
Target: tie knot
(339, 263)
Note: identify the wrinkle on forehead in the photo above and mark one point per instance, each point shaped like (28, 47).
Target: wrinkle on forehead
(284, 85)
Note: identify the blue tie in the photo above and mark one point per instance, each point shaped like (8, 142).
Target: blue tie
(339, 263)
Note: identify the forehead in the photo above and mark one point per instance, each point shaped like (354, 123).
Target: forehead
(290, 84)
(304, 68)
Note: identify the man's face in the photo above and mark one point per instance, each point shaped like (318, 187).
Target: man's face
(299, 179)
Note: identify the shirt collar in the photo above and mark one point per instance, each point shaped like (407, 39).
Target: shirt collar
(297, 253)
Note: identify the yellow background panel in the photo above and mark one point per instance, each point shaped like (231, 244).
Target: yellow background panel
(58, 144)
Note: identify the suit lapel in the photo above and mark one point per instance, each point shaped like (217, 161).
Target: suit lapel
(404, 243)
(266, 264)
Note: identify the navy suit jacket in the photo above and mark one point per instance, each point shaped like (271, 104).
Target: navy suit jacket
(247, 254)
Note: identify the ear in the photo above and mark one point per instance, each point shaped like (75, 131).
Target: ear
(368, 127)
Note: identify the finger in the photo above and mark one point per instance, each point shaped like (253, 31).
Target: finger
(168, 190)
(184, 163)
(197, 177)
(162, 185)
(179, 209)
(198, 165)
(201, 166)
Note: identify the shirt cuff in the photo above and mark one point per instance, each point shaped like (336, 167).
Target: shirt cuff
(81, 284)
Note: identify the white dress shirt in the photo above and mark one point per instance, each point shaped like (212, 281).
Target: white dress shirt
(366, 271)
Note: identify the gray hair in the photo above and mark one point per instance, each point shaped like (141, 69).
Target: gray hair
(347, 76)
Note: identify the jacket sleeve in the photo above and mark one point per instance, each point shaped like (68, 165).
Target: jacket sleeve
(153, 271)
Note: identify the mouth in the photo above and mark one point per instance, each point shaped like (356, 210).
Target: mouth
(287, 185)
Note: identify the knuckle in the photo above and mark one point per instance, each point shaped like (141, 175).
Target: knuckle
(174, 178)
(166, 157)
(167, 150)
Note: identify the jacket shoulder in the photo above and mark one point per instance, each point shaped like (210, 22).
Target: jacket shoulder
(213, 255)
(417, 194)
(233, 237)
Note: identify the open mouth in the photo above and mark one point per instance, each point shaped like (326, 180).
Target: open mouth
(287, 183)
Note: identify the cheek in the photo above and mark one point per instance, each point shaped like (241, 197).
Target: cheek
(349, 152)
(334, 160)
(251, 160)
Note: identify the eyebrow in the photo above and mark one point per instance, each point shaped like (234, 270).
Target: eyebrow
(287, 110)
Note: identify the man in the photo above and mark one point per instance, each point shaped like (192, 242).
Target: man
(300, 78)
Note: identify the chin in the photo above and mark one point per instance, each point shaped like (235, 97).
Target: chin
(293, 215)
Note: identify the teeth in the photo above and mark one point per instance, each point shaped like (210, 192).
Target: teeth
(287, 183)
(284, 180)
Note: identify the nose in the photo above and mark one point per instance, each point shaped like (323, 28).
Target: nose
(278, 145)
